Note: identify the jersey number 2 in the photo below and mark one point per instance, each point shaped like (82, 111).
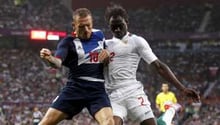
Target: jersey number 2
(141, 99)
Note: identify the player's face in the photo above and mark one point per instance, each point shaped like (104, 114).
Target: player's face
(118, 26)
(165, 87)
(83, 27)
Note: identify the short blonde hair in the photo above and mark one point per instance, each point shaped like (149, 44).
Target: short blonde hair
(81, 12)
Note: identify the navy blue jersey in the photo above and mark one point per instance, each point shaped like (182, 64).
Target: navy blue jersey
(81, 56)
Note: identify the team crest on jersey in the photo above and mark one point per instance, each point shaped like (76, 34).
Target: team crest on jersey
(92, 56)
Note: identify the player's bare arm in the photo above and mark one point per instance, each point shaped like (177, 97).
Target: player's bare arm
(168, 75)
(47, 55)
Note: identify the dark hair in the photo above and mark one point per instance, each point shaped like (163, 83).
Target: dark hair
(82, 12)
(115, 10)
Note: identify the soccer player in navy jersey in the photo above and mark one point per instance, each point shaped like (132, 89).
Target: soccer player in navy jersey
(85, 86)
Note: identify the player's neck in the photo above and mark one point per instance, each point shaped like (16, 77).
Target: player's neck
(165, 92)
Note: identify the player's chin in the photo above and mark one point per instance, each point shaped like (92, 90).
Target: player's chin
(118, 35)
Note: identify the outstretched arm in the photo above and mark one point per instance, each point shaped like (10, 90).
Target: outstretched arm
(167, 74)
(47, 55)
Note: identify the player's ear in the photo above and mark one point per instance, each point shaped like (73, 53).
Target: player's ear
(127, 21)
(73, 24)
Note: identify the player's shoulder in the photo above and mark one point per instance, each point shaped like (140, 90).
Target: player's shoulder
(171, 93)
(160, 94)
(136, 37)
(98, 33)
(109, 42)
(67, 39)
(138, 41)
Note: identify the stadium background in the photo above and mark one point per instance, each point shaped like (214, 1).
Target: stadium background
(185, 34)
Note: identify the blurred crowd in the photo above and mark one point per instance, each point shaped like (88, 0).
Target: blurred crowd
(54, 15)
(30, 14)
(27, 82)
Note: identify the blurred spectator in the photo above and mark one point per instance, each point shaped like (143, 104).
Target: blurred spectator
(37, 116)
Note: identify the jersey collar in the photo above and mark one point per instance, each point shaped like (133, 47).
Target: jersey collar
(124, 39)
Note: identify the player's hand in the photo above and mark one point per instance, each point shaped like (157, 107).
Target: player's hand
(192, 95)
(104, 56)
(45, 53)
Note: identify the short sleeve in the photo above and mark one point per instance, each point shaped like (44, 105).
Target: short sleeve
(144, 50)
(62, 49)
(174, 98)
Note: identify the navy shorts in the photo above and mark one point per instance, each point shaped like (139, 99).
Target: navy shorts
(79, 94)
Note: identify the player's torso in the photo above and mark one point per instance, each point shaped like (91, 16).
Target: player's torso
(124, 61)
(87, 51)
(165, 99)
(82, 59)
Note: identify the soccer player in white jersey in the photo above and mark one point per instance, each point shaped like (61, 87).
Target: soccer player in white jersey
(125, 51)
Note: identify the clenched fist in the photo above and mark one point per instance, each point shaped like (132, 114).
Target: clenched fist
(45, 53)
(104, 56)
(192, 95)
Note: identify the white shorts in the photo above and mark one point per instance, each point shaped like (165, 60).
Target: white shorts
(135, 105)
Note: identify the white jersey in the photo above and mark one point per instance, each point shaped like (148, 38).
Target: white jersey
(125, 55)
(125, 92)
